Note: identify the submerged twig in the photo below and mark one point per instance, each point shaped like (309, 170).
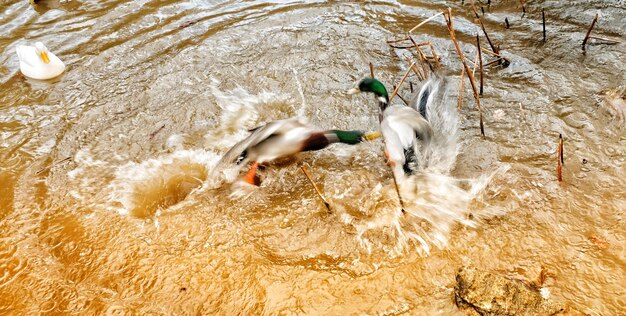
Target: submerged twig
(589, 31)
(319, 193)
(608, 40)
(40, 171)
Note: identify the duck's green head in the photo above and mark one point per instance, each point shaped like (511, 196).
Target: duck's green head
(374, 86)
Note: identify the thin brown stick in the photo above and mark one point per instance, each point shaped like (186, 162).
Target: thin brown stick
(406, 74)
(415, 69)
(449, 23)
(319, 193)
(497, 61)
(523, 7)
(506, 22)
(493, 48)
(432, 50)
(480, 60)
(560, 159)
(398, 40)
(371, 70)
(400, 47)
(589, 31)
(420, 54)
(461, 88)
(401, 98)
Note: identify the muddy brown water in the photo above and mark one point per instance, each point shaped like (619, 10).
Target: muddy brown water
(156, 91)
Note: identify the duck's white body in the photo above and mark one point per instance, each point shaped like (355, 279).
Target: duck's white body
(33, 65)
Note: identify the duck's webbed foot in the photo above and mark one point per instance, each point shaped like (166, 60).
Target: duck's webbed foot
(251, 177)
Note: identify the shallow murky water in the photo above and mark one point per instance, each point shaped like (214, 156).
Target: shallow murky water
(106, 205)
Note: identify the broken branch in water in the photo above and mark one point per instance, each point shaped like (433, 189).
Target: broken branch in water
(425, 21)
(40, 171)
(449, 23)
(560, 159)
(406, 74)
(589, 31)
(319, 193)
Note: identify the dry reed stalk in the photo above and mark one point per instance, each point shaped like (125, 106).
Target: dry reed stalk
(432, 50)
(449, 23)
(319, 193)
(589, 31)
(421, 56)
(406, 74)
(475, 64)
(543, 18)
(523, 7)
(480, 60)
(425, 21)
(461, 88)
(496, 55)
(415, 70)
(506, 22)
(371, 70)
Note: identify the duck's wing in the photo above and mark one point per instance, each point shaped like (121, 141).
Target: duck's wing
(408, 124)
(237, 153)
(422, 101)
(401, 128)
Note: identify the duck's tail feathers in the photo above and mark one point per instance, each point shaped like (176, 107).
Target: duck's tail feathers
(427, 94)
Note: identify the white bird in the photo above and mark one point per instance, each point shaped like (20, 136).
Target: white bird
(38, 62)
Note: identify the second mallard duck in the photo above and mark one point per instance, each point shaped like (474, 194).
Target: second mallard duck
(404, 129)
(284, 138)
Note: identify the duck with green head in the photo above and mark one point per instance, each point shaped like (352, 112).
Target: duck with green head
(284, 138)
(403, 129)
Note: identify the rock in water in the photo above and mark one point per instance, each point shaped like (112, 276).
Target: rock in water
(485, 293)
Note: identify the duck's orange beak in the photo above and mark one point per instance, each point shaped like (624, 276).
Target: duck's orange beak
(44, 57)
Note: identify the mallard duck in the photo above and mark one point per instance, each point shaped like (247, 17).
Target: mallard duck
(38, 63)
(402, 128)
(284, 138)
